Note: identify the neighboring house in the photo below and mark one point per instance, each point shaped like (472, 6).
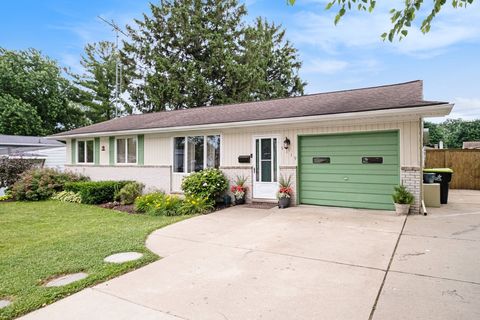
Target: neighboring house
(49, 153)
(471, 145)
(346, 148)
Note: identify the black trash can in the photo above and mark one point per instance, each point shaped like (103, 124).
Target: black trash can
(443, 176)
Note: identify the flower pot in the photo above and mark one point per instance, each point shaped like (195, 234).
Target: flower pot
(283, 203)
(401, 209)
(240, 200)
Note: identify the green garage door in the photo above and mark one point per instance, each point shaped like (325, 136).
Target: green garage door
(349, 170)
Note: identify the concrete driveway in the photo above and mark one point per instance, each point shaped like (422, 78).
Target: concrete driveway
(300, 263)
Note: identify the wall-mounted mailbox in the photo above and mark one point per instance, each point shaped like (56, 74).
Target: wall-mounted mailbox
(244, 159)
(368, 160)
(320, 160)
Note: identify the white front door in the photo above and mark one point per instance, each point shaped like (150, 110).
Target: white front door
(265, 180)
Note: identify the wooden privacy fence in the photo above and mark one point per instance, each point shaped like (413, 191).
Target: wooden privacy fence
(464, 163)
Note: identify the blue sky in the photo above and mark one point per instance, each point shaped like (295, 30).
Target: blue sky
(349, 55)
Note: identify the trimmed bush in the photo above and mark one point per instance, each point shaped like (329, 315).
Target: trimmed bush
(68, 196)
(206, 184)
(41, 184)
(96, 192)
(129, 192)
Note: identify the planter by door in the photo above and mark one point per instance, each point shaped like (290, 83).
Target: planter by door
(240, 200)
(402, 209)
(283, 203)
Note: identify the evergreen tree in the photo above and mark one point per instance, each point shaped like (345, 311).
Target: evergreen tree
(97, 84)
(196, 53)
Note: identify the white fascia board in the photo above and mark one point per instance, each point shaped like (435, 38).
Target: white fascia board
(420, 112)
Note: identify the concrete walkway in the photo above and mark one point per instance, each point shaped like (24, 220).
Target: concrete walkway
(299, 263)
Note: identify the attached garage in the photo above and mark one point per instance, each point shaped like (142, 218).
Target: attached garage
(357, 170)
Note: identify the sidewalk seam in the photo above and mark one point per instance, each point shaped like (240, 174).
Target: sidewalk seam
(138, 304)
(374, 307)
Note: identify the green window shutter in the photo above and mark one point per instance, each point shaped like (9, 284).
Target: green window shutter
(141, 148)
(96, 151)
(111, 150)
(73, 147)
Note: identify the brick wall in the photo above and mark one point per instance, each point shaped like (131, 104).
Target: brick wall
(411, 177)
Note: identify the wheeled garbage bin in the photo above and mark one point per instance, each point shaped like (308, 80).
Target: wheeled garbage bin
(443, 176)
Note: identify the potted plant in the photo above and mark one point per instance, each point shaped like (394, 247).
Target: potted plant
(285, 192)
(239, 190)
(402, 199)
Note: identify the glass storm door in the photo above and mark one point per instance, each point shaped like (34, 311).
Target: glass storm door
(265, 182)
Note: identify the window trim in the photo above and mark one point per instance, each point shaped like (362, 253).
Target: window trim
(185, 156)
(126, 163)
(85, 151)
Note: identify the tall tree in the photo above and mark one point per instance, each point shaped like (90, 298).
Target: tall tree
(34, 95)
(194, 53)
(403, 18)
(97, 83)
(453, 132)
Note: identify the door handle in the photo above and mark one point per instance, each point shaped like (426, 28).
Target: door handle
(345, 178)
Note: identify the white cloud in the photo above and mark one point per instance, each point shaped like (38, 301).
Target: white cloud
(363, 30)
(465, 108)
(324, 66)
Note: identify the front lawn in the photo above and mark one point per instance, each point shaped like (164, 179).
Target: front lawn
(39, 240)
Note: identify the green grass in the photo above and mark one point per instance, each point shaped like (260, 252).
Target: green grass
(39, 240)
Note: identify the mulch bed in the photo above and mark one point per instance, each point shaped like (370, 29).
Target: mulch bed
(129, 208)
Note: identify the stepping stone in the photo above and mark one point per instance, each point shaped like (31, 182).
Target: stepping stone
(123, 257)
(67, 279)
(4, 303)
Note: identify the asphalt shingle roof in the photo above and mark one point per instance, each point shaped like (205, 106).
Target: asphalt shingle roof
(395, 96)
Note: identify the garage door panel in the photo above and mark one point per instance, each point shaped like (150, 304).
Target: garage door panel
(352, 178)
(342, 169)
(352, 140)
(352, 148)
(348, 159)
(346, 181)
(349, 204)
(353, 153)
(348, 196)
(369, 188)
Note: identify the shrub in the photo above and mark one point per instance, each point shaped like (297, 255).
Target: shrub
(68, 196)
(402, 195)
(5, 197)
(41, 184)
(11, 169)
(196, 206)
(168, 206)
(96, 192)
(206, 184)
(129, 192)
(145, 202)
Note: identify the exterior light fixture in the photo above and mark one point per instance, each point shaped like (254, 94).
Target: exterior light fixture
(103, 148)
(286, 143)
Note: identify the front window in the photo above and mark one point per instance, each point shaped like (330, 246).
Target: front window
(127, 150)
(196, 153)
(85, 151)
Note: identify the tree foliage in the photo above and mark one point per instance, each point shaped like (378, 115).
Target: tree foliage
(97, 83)
(196, 53)
(453, 132)
(31, 88)
(18, 117)
(402, 18)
